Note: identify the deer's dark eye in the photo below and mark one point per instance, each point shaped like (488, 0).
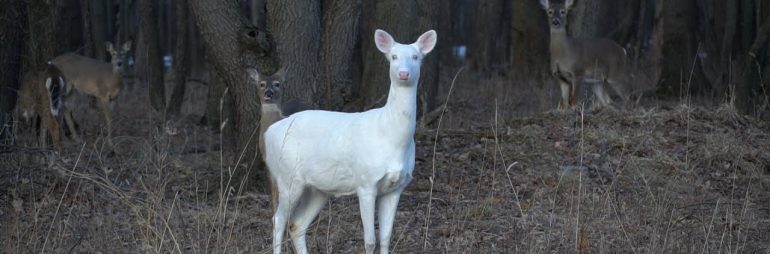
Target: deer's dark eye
(550, 12)
(394, 57)
(277, 84)
(262, 84)
(562, 12)
(414, 57)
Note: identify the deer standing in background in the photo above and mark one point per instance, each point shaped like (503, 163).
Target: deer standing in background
(574, 60)
(41, 95)
(316, 154)
(102, 80)
(270, 100)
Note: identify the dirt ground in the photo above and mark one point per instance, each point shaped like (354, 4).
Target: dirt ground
(501, 174)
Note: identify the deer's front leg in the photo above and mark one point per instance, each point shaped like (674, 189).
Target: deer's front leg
(565, 92)
(387, 205)
(576, 82)
(366, 199)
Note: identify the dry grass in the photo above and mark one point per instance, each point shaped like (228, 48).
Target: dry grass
(675, 179)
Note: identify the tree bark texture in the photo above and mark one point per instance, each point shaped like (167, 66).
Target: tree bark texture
(42, 38)
(297, 30)
(749, 90)
(181, 58)
(12, 32)
(490, 39)
(85, 15)
(529, 40)
(151, 40)
(340, 35)
(100, 24)
(232, 45)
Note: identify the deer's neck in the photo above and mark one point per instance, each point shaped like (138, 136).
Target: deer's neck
(271, 113)
(400, 112)
(559, 40)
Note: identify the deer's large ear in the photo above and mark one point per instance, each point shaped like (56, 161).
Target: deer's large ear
(568, 3)
(544, 4)
(427, 42)
(383, 40)
(108, 46)
(253, 73)
(127, 46)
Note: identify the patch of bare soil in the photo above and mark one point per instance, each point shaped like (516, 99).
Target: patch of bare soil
(662, 180)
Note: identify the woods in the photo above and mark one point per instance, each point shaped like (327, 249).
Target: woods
(716, 48)
(185, 107)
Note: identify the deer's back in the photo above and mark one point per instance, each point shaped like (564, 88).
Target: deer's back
(88, 75)
(590, 56)
(332, 151)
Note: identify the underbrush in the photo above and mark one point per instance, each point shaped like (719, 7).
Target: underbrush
(676, 179)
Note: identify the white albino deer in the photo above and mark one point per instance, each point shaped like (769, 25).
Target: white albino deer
(316, 154)
(102, 80)
(574, 60)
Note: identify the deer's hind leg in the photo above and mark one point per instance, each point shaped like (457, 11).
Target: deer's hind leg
(308, 207)
(53, 128)
(104, 105)
(67, 115)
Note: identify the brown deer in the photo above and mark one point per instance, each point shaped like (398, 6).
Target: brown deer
(102, 80)
(41, 95)
(574, 60)
(270, 100)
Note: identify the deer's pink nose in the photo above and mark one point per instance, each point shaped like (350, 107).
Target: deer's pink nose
(403, 75)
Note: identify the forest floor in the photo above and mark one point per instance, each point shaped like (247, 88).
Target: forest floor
(494, 177)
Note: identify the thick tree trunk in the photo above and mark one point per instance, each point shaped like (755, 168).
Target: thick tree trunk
(529, 40)
(181, 58)
(12, 32)
(489, 44)
(258, 13)
(232, 45)
(42, 38)
(297, 30)
(151, 40)
(340, 34)
(100, 26)
(680, 47)
(585, 19)
(85, 15)
(748, 90)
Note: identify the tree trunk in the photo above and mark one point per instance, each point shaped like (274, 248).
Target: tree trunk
(297, 30)
(490, 40)
(258, 14)
(85, 15)
(585, 19)
(340, 35)
(680, 47)
(529, 40)
(232, 45)
(42, 37)
(12, 32)
(149, 26)
(181, 58)
(748, 90)
(100, 26)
